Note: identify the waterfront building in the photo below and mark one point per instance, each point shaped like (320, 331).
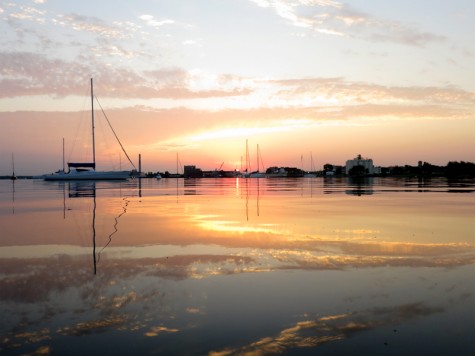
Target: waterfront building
(192, 171)
(367, 163)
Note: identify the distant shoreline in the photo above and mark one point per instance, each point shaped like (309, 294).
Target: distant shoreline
(463, 176)
(453, 169)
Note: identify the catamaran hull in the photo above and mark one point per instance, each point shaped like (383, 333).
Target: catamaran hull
(111, 175)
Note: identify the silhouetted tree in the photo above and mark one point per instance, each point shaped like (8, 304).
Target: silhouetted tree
(358, 171)
(460, 169)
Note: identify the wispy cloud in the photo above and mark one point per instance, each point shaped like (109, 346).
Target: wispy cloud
(28, 13)
(194, 139)
(341, 91)
(151, 21)
(92, 25)
(20, 77)
(300, 98)
(99, 39)
(337, 18)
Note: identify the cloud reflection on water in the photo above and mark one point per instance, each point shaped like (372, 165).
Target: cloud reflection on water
(312, 333)
(33, 280)
(175, 261)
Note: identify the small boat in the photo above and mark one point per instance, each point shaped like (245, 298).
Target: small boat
(87, 170)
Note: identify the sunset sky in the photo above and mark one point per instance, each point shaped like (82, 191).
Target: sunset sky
(390, 80)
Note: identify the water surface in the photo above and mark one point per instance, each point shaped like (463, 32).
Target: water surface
(230, 266)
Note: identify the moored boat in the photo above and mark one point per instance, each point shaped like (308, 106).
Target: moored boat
(78, 171)
(87, 170)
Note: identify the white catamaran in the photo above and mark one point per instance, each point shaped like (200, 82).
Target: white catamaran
(87, 170)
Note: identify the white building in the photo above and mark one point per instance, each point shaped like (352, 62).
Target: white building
(367, 163)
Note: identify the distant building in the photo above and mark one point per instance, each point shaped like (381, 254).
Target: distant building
(367, 163)
(192, 172)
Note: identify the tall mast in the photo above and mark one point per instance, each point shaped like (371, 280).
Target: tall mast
(92, 118)
(257, 158)
(13, 176)
(63, 157)
(247, 158)
(247, 154)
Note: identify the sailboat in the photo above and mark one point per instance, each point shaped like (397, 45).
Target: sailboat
(177, 174)
(258, 174)
(246, 173)
(87, 170)
(312, 168)
(13, 176)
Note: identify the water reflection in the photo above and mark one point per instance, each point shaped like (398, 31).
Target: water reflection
(189, 186)
(232, 266)
(82, 189)
(309, 334)
(87, 190)
(360, 186)
(13, 196)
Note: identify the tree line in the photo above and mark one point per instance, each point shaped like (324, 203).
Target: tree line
(452, 169)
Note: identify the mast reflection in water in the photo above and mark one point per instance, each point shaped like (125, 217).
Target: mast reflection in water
(236, 266)
(87, 189)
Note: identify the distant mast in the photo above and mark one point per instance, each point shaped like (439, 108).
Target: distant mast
(247, 154)
(258, 158)
(248, 158)
(13, 177)
(64, 169)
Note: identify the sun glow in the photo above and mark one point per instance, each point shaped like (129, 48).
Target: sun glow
(247, 131)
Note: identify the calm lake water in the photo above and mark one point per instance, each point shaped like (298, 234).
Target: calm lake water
(233, 266)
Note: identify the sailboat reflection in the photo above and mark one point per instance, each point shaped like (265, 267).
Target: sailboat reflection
(248, 193)
(82, 189)
(13, 196)
(87, 189)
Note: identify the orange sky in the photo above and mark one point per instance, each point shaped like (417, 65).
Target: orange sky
(299, 78)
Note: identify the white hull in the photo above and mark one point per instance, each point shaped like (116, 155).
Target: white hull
(87, 170)
(89, 175)
(257, 175)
